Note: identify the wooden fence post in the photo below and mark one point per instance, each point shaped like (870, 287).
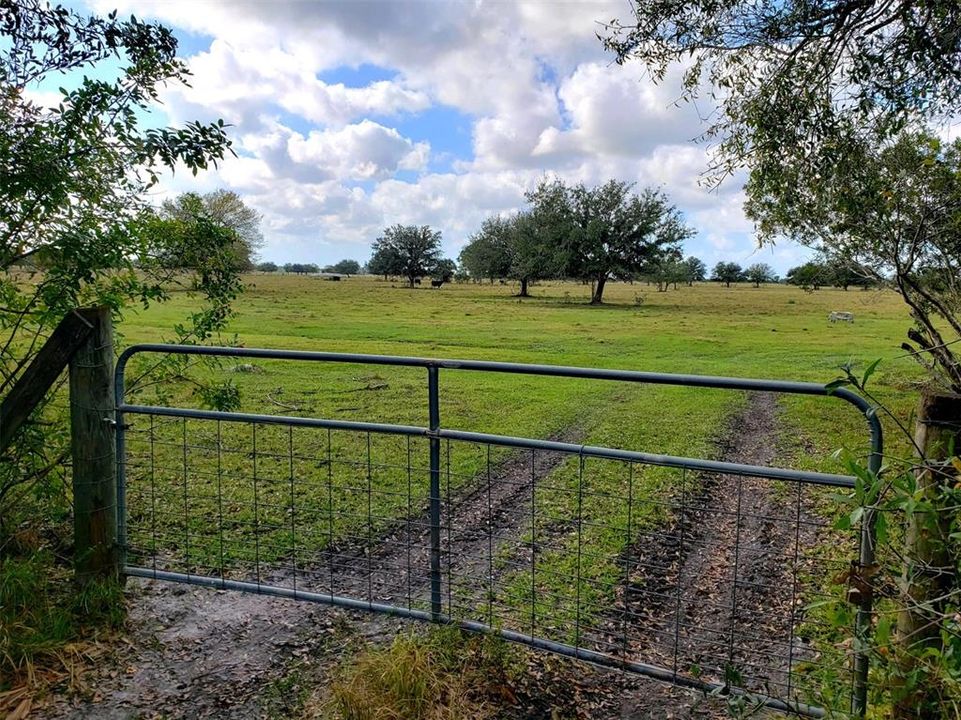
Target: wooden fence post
(928, 569)
(93, 451)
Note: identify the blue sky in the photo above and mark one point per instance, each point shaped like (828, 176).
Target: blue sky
(348, 117)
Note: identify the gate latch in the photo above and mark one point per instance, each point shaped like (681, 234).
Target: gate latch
(860, 580)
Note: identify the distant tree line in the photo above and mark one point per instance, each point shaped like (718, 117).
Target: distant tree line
(812, 275)
(344, 267)
(673, 271)
(730, 272)
(816, 274)
(592, 234)
(301, 268)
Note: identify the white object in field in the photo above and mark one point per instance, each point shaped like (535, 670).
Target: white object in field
(841, 317)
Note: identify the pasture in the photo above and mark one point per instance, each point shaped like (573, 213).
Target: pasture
(775, 332)
(240, 500)
(778, 332)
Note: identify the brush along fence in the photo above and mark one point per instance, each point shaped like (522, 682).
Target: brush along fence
(696, 572)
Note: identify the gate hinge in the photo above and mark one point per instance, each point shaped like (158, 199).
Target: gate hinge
(113, 423)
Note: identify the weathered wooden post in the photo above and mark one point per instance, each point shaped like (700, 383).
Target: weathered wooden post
(928, 568)
(92, 448)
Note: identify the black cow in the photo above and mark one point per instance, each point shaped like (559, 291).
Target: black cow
(436, 283)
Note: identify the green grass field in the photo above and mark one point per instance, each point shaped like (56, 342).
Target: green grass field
(238, 508)
(770, 332)
(775, 331)
(240, 499)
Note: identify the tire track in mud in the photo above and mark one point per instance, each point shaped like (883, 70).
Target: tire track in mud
(681, 608)
(694, 551)
(486, 516)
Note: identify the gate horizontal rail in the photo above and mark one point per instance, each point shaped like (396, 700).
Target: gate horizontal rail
(672, 461)
(478, 583)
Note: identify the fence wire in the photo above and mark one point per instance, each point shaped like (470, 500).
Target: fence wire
(697, 577)
(710, 575)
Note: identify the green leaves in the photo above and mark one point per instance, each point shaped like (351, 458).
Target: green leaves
(488, 253)
(605, 232)
(827, 107)
(406, 250)
(223, 396)
(74, 229)
(835, 384)
(869, 371)
(850, 379)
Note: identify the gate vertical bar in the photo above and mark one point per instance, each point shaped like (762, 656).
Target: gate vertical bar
(120, 450)
(433, 402)
(862, 623)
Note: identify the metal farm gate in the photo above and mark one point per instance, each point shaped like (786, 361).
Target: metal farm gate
(550, 543)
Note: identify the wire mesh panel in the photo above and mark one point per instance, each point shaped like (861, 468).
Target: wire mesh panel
(702, 573)
(312, 510)
(707, 579)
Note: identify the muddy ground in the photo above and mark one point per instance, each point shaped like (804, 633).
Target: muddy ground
(195, 652)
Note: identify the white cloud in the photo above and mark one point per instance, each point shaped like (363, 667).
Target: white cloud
(329, 165)
(43, 98)
(241, 85)
(613, 111)
(567, 34)
(365, 151)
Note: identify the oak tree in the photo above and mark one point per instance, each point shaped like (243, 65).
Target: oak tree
(608, 232)
(412, 251)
